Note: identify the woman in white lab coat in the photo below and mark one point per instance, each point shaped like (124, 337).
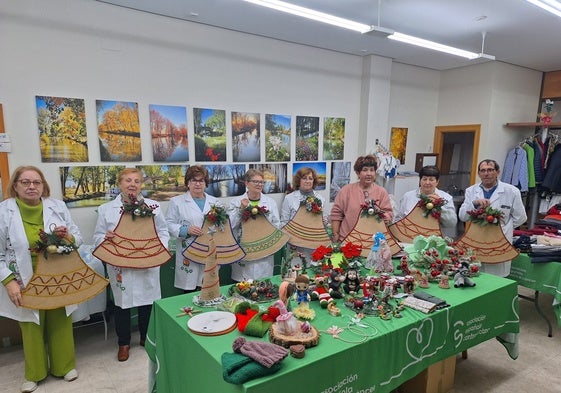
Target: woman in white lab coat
(131, 287)
(29, 209)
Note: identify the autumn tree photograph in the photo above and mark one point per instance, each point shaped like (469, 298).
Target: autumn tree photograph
(118, 131)
(246, 137)
(168, 128)
(62, 129)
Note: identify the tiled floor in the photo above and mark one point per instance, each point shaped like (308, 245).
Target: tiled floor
(488, 368)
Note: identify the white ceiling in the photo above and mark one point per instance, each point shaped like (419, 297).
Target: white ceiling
(517, 32)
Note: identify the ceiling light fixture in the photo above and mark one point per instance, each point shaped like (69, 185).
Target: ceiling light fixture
(549, 5)
(312, 14)
(365, 29)
(409, 39)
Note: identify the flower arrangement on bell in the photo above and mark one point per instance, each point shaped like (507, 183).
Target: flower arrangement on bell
(436, 256)
(432, 207)
(371, 209)
(253, 211)
(485, 216)
(217, 216)
(137, 208)
(51, 243)
(313, 204)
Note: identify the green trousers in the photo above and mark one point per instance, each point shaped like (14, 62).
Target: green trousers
(49, 345)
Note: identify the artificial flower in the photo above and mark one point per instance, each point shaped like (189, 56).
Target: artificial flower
(217, 215)
(432, 207)
(313, 204)
(371, 209)
(51, 243)
(485, 216)
(137, 208)
(253, 211)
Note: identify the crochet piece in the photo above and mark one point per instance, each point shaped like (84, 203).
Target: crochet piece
(61, 280)
(136, 244)
(414, 224)
(306, 229)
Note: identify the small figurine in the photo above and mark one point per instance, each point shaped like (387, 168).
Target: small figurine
(321, 292)
(443, 283)
(462, 278)
(383, 254)
(335, 281)
(352, 282)
(302, 295)
(409, 284)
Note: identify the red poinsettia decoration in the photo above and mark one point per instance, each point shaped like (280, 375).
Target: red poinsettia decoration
(253, 212)
(370, 208)
(321, 252)
(432, 207)
(485, 216)
(351, 250)
(312, 204)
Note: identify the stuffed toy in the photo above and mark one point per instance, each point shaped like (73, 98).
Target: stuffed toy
(336, 279)
(321, 292)
(352, 282)
(462, 277)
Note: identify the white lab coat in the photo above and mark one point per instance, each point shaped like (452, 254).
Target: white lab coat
(244, 270)
(183, 210)
(448, 217)
(14, 247)
(131, 287)
(506, 198)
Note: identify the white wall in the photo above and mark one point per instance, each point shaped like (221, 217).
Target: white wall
(490, 94)
(90, 50)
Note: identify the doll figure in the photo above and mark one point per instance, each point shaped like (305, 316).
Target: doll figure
(383, 260)
(302, 283)
(352, 282)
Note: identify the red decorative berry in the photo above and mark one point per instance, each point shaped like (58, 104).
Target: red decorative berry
(490, 218)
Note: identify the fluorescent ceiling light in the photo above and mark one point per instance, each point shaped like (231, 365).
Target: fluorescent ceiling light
(363, 28)
(409, 39)
(552, 6)
(311, 14)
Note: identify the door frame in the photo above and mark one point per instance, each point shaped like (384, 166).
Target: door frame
(4, 169)
(438, 144)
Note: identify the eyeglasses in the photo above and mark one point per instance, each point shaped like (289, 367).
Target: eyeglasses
(199, 181)
(488, 170)
(27, 183)
(257, 182)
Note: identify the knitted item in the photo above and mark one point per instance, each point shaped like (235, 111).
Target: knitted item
(238, 368)
(251, 322)
(264, 353)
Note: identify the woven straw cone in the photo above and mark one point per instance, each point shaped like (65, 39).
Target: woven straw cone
(489, 243)
(61, 280)
(260, 238)
(415, 224)
(363, 231)
(228, 249)
(211, 280)
(136, 244)
(306, 229)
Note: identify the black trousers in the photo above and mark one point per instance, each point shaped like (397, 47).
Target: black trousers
(123, 323)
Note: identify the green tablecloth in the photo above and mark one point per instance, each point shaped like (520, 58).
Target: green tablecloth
(542, 277)
(400, 349)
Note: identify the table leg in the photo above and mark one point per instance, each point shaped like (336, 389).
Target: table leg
(535, 299)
